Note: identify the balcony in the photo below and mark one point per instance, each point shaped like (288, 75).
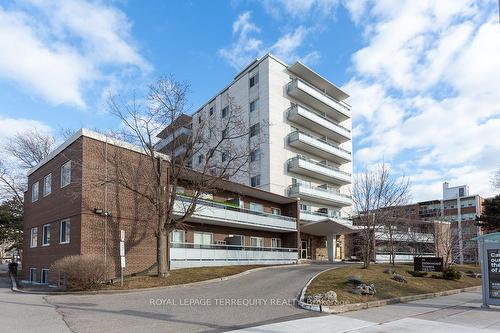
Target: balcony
(215, 213)
(411, 236)
(318, 100)
(181, 133)
(305, 142)
(306, 167)
(184, 255)
(320, 195)
(317, 216)
(318, 123)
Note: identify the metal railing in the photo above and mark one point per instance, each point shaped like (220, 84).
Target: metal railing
(204, 202)
(297, 132)
(230, 247)
(298, 157)
(297, 187)
(296, 106)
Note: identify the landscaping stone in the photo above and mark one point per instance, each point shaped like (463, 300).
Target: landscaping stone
(329, 298)
(390, 271)
(473, 274)
(399, 278)
(364, 289)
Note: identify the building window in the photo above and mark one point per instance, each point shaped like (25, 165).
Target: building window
(305, 208)
(32, 275)
(64, 231)
(47, 185)
(254, 130)
(276, 211)
(255, 155)
(177, 237)
(224, 112)
(34, 237)
(256, 242)
(46, 235)
(200, 158)
(66, 174)
(254, 80)
(254, 105)
(199, 119)
(275, 242)
(256, 207)
(211, 111)
(203, 238)
(34, 192)
(255, 181)
(44, 278)
(225, 156)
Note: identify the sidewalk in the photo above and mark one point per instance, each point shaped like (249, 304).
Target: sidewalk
(454, 314)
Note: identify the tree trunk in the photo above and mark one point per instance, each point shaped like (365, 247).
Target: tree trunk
(162, 254)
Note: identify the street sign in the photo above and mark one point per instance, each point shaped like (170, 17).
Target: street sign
(122, 262)
(428, 264)
(122, 249)
(494, 272)
(489, 252)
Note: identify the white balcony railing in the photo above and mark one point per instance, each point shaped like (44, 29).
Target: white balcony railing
(184, 255)
(239, 217)
(319, 123)
(319, 147)
(316, 98)
(178, 133)
(302, 165)
(328, 196)
(405, 236)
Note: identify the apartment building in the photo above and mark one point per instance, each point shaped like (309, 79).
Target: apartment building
(305, 151)
(74, 206)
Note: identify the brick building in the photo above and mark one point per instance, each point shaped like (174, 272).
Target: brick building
(72, 208)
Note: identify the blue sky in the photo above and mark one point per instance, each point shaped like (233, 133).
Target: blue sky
(424, 76)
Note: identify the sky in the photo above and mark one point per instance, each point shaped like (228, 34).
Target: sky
(423, 76)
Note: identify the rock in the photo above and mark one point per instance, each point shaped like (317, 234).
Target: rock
(355, 280)
(399, 278)
(330, 296)
(364, 289)
(473, 274)
(389, 270)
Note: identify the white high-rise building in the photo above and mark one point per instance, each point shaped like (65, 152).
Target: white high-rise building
(307, 151)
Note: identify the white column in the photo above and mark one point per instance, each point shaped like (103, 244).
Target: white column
(331, 246)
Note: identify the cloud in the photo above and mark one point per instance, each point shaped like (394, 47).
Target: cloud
(300, 9)
(56, 49)
(12, 126)
(247, 47)
(425, 91)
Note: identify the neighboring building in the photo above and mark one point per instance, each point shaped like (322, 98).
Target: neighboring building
(307, 149)
(71, 208)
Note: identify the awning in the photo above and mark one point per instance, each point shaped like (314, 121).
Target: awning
(326, 227)
(487, 238)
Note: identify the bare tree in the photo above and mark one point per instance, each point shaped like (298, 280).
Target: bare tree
(219, 145)
(375, 194)
(446, 241)
(495, 181)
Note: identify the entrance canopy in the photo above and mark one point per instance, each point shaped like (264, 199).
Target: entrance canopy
(489, 238)
(327, 227)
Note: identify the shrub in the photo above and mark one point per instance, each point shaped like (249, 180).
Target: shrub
(81, 272)
(451, 274)
(355, 280)
(417, 273)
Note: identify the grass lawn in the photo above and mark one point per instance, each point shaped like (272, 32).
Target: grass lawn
(386, 287)
(181, 276)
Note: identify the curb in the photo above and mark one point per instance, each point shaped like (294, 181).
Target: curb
(372, 304)
(138, 290)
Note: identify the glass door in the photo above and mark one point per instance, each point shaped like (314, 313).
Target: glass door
(304, 250)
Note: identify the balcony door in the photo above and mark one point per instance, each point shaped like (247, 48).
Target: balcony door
(304, 249)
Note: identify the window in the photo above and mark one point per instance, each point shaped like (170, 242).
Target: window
(254, 130)
(46, 235)
(276, 211)
(200, 158)
(34, 192)
(256, 242)
(254, 80)
(203, 238)
(275, 242)
(225, 156)
(211, 111)
(34, 237)
(305, 208)
(64, 231)
(177, 236)
(32, 274)
(255, 181)
(44, 278)
(66, 174)
(255, 155)
(224, 112)
(47, 185)
(256, 207)
(254, 105)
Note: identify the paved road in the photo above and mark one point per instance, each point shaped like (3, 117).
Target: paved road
(221, 306)
(27, 313)
(458, 313)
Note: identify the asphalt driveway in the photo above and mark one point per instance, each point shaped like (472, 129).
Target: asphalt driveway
(257, 298)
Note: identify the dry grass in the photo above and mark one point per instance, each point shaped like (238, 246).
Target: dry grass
(181, 276)
(386, 288)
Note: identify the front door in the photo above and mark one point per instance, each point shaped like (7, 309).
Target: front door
(304, 250)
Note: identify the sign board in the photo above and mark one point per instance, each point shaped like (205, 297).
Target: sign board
(493, 256)
(122, 235)
(428, 264)
(122, 249)
(122, 262)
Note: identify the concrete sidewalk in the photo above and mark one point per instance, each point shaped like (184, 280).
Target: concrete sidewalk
(454, 314)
